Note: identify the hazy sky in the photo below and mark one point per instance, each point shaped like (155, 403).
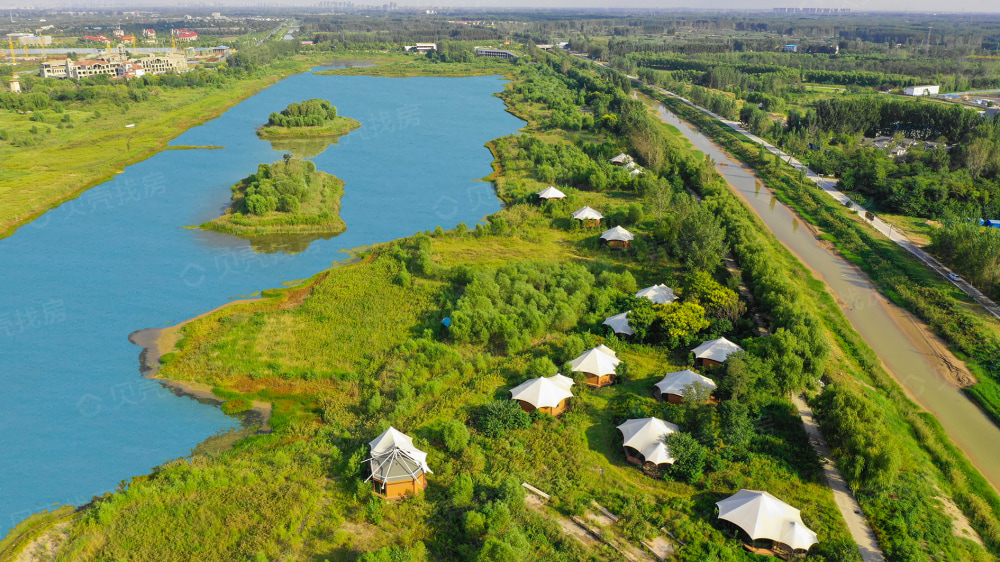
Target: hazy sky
(968, 6)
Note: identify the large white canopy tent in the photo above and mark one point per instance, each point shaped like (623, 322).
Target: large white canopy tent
(586, 213)
(397, 467)
(551, 193)
(680, 382)
(391, 439)
(619, 323)
(597, 365)
(659, 294)
(764, 516)
(617, 234)
(646, 435)
(716, 350)
(595, 361)
(543, 392)
(607, 350)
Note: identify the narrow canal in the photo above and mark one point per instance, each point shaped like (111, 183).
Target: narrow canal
(868, 312)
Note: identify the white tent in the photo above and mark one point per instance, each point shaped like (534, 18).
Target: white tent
(586, 213)
(391, 440)
(646, 435)
(619, 323)
(542, 392)
(716, 350)
(764, 516)
(678, 383)
(617, 234)
(607, 350)
(595, 362)
(621, 159)
(551, 193)
(659, 294)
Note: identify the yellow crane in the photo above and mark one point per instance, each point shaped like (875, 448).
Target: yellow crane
(10, 42)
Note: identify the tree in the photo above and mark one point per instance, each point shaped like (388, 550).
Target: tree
(689, 457)
(500, 416)
(736, 426)
(455, 435)
(677, 322)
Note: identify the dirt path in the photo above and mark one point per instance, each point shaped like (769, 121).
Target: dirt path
(842, 496)
(45, 546)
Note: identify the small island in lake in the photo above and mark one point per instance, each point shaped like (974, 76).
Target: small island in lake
(309, 118)
(286, 197)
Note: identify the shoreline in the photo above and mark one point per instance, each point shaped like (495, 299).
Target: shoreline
(156, 342)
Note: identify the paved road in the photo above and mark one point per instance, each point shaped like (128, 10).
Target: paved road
(842, 496)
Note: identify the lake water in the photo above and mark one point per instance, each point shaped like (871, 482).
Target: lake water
(76, 418)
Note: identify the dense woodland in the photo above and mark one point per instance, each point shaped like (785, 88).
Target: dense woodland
(309, 113)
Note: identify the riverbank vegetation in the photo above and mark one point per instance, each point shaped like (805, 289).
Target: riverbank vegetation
(362, 347)
(61, 137)
(310, 118)
(289, 196)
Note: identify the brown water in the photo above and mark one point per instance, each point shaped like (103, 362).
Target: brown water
(868, 312)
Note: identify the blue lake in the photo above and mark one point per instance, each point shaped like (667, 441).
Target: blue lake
(76, 418)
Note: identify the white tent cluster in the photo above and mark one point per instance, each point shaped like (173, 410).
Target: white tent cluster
(646, 435)
(764, 516)
(659, 294)
(551, 193)
(716, 350)
(394, 458)
(543, 392)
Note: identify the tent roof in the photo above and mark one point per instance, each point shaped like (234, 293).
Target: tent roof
(659, 294)
(397, 465)
(622, 157)
(586, 213)
(551, 193)
(563, 380)
(764, 516)
(595, 362)
(716, 350)
(390, 438)
(542, 392)
(619, 323)
(607, 350)
(677, 383)
(646, 436)
(617, 233)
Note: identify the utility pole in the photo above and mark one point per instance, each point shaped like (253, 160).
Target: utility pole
(927, 49)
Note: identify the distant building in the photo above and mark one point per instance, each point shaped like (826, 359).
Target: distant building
(818, 11)
(149, 33)
(116, 65)
(991, 112)
(29, 40)
(921, 90)
(790, 49)
(494, 53)
(823, 49)
(15, 85)
(118, 33)
(422, 48)
(184, 35)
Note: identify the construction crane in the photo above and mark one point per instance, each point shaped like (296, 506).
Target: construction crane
(10, 42)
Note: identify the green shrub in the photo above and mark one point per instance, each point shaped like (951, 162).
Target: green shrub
(500, 416)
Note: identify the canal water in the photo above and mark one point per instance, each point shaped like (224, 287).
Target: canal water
(76, 418)
(867, 311)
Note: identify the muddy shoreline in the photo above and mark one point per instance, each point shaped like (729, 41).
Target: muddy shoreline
(156, 342)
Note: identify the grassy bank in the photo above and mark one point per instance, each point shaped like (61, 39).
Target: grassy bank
(338, 127)
(65, 161)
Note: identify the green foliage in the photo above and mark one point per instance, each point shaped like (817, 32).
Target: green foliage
(501, 416)
(455, 436)
(689, 457)
(508, 306)
(309, 113)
